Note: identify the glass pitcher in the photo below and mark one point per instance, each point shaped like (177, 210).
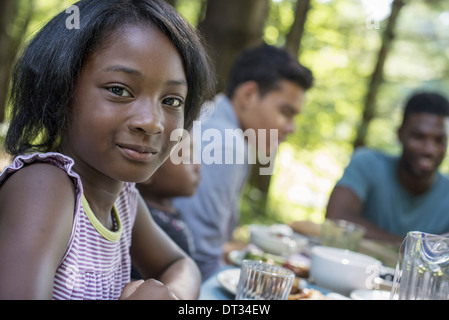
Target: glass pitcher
(422, 269)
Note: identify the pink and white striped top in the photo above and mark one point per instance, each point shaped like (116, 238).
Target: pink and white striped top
(96, 264)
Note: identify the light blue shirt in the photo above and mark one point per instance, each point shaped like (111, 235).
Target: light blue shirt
(373, 177)
(212, 213)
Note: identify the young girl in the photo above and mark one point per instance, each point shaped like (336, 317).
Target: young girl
(92, 113)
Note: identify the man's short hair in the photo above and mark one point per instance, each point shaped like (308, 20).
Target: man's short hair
(426, 102)
(267, 65)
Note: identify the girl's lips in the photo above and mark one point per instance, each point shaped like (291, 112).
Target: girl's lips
(138, 153)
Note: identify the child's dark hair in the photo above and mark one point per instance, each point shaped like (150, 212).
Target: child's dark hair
(44, 76)
(267, 65)
(426, 102)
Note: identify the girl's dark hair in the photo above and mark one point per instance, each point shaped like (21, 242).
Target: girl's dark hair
(267, 65)
(45, 74)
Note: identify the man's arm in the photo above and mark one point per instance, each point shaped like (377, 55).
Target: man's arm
(345, 204)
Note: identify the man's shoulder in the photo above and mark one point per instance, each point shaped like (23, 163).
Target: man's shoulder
(368, 152)
(443, 179)
(219, 114)
(371, 156)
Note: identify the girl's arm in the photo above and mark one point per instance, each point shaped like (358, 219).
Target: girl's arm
(156, 256)
(36, 212)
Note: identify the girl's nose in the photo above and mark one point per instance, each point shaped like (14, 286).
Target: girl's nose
(147, 118)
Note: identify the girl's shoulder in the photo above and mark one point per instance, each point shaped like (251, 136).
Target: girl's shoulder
(38, 202)
(43, 166)
(40, 180)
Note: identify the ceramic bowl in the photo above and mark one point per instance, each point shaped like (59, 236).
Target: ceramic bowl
(366, 294)
(342, 270)
(277, 239)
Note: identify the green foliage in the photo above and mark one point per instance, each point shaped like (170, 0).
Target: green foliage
(190, 10)
(43, 11)
(341, 47)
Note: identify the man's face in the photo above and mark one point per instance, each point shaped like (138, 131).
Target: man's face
(275, 110)
(424, 140)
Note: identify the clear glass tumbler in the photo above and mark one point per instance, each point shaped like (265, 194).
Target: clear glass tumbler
(262, 281)
(343, 234)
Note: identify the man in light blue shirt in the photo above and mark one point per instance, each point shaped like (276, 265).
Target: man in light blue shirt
(265, 91)
(390, 195)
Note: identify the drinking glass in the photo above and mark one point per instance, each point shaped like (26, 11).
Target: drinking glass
(339, 233)
(262, 281)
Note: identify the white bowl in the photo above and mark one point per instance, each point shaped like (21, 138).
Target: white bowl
(277, 239)
(341, 270)
(366, 294)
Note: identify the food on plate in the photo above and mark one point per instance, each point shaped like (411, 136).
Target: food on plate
(306, 227)
(277, 239)
(300, 271)
(299, 293)
(256, 254)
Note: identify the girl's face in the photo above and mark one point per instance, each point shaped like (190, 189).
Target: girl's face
(128, 99)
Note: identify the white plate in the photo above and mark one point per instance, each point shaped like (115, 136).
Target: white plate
(229, 279)
(365, 294)
(236, 256)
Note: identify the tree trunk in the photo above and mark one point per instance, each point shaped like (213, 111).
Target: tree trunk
(377, 76)
(228, 28)
(10, 42)
(8, 9)
(293, 41)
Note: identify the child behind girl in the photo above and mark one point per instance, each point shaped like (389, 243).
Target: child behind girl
(92, 113)
(173, 179)
(177, 177)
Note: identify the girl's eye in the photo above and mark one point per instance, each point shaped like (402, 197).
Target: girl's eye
(120, 91)
(173, 102)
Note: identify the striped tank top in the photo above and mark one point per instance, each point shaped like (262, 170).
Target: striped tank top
(96, 264)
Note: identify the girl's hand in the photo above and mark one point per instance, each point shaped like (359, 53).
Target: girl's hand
(150, 289)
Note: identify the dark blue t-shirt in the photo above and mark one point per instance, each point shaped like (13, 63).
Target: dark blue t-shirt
(175, 227)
